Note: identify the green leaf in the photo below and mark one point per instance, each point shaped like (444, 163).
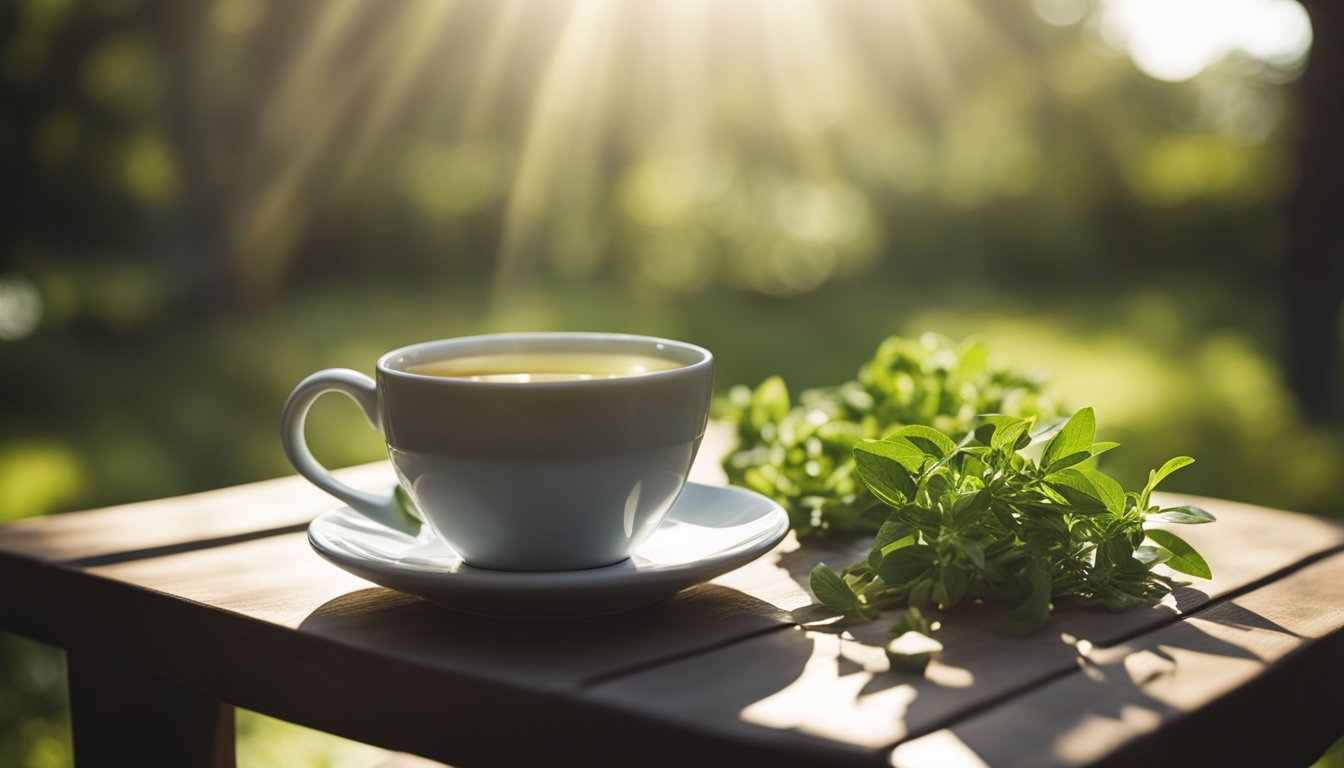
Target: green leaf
(1046, 429)
(1184, 515)
(882, 466)
(1161, 474)
(1112, 494)
(1115, 550)
(893, 535)
(1007, 436)
(1151, 556)
(1077, 484)
(969, 506)
(1171, 466)
(1184, 558)
(927, 439)
(975, 553)
(1032, 613)
(832, 590)
(906, 564)
(1076, 436)
(1102, 447)
(1068, 461)
(891, 531)
(950, 587)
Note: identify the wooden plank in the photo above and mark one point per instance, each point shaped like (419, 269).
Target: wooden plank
(123, 717)
(165, 525)
(833, 685)
(268, 625)
(1253, 680)
(280, 580)
(226, 515)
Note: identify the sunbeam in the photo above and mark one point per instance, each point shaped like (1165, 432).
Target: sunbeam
(558, 169)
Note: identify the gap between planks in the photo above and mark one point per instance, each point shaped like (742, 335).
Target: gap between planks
(1029, 688)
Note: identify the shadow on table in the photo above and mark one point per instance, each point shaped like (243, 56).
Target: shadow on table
(544, 651)
(1092, 709)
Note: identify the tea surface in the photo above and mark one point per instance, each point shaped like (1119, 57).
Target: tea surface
(533, 367)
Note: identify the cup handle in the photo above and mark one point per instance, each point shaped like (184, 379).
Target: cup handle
(361, 389)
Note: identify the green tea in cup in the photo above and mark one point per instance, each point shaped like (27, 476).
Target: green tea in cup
(536, 367)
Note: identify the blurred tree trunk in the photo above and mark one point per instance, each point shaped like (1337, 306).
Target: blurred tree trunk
(1315, 278)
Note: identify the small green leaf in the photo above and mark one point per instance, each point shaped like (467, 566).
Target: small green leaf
(951, 587)
(882, 466)
(1171, 466)
(1184, 558)
(832, 590)
(1032, 613)
(1112, 494)
(1150, 555)
(1007, 436)
(906, 564)
(927, 439)
(1068, 461)
(1184, 515)
(1102, 447)
(1115, 550)
(1159, 475)
(975, 553)
(891, 530)
(1077, 435)
(969, 506)
(1090, 483)
(1046, 429)
(893, 535)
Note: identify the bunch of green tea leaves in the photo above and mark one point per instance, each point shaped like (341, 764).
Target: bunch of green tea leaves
(801, 454)
(979, 520)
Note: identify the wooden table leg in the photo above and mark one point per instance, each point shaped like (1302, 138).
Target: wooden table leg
(122, 717)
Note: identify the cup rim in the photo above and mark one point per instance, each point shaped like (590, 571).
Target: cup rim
(705, 359)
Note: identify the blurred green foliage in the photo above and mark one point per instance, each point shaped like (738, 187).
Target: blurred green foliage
(217, 198)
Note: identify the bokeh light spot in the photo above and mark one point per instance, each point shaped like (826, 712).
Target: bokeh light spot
(1176, 40)
(149, 171)
(36, 478)
(20, 307)
(121, 72)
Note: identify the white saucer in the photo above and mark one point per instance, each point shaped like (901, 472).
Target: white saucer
(709, 531)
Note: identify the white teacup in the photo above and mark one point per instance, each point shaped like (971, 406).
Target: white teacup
(548, 471)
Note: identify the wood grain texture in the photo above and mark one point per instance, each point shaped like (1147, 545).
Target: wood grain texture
(832, 684)
(1253, 680)
(269, 626)
(156, 527)
(186, 591)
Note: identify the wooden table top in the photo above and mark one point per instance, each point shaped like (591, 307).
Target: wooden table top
(219, 592)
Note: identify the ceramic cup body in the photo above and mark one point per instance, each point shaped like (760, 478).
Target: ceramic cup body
(537, 476)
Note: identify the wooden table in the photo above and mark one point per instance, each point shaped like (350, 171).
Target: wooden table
(173, 611)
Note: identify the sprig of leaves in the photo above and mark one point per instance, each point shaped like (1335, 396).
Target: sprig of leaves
(980, 519)
(801, 453)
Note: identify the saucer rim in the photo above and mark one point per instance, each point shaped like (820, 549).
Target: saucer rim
(481, 580)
